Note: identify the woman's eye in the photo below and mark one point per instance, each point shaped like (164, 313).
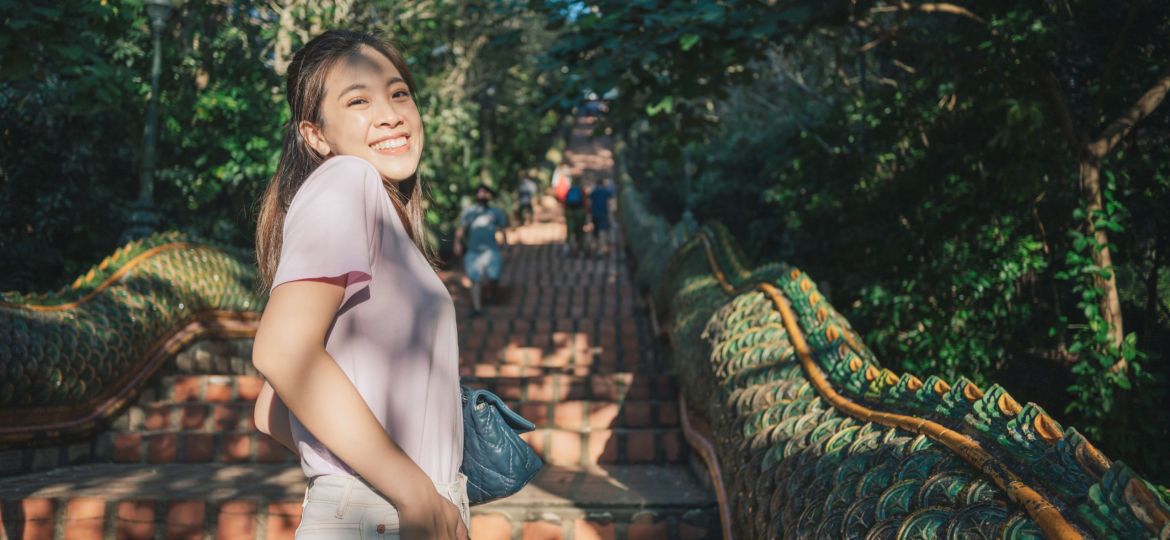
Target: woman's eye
(357, 101)
(401, 94)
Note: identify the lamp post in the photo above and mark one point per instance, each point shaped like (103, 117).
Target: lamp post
(145, 219)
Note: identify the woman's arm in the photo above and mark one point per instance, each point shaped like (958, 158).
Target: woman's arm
(271, 418)
(290, 351)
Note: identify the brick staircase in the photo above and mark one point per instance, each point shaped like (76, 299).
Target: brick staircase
(562, 343)
(566, 348)
(196, 419)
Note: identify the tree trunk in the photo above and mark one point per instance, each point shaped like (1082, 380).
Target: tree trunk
(1090, 155)
(282, 50)
(487, 120)
(1110, 303)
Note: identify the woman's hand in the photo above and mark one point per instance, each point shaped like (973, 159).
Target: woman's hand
(434, 517)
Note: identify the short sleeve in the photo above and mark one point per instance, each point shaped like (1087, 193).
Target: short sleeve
(333, 226)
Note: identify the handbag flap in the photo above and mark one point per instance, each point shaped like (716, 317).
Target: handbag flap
(480, 397)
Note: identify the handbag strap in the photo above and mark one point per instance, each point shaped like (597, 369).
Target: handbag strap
(480, 397)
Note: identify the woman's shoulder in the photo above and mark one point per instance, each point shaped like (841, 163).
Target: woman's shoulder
(339, 178)
(345, 169)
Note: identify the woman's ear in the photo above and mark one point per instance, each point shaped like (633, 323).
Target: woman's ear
(314, 138)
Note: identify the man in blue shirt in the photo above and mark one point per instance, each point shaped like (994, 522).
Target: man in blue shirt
(480, 223)
(599, 198)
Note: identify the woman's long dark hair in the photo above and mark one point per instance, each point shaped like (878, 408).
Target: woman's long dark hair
(305, 90)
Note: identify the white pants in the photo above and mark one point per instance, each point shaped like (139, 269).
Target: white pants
(345, 507)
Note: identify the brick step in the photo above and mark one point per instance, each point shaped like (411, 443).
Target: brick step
(547, 343)
(224, 403)
(191, 419)
(599, 284)
(563, 387)
(264, 502)
(575, 433)
(597, 326)
(561, 309)
(487, 371)
(536, 350)
(589, 418)
(521, 289)
(233, 418)
(220, 401)
(602, 358)
(521, 353)
(140, 501)
(562, 271)
(161, 447)
(612, 502)
(208, 389)
(582, 338)
(522, 296)
(599, 277)
(583, 414)
(587, 447)
(599, 291)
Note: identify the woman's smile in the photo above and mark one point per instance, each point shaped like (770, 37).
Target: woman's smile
(392, 145)
(369, 112)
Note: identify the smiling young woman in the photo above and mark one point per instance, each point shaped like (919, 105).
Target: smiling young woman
(358, 340)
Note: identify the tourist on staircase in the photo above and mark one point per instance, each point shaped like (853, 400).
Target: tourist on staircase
(358, 337)
(599, 198)
(561, 181)
(482, 260)
(572, 209)
(575, 219)
(525, 192)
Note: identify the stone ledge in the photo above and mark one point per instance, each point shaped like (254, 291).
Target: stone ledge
(609, 486)
(170, 481)
(606, 486)
(263, 501)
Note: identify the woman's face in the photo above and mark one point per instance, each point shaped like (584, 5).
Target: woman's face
(368, 112)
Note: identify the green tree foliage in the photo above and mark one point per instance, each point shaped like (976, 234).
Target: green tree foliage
(483, 86)
(75, 79)
(63, 133)
(927, 161)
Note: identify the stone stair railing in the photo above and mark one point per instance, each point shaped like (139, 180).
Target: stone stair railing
(73, 360)
(812, 437)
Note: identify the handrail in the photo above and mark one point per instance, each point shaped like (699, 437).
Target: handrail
(1046, 515)
(1066, 486)
(106, 283)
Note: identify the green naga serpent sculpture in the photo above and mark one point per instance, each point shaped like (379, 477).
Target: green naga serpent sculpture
(810, 437)
(71, 360)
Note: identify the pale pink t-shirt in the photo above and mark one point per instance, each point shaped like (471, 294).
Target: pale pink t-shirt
(394, 334)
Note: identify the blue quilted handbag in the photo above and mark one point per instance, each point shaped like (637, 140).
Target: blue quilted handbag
(496, 461)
